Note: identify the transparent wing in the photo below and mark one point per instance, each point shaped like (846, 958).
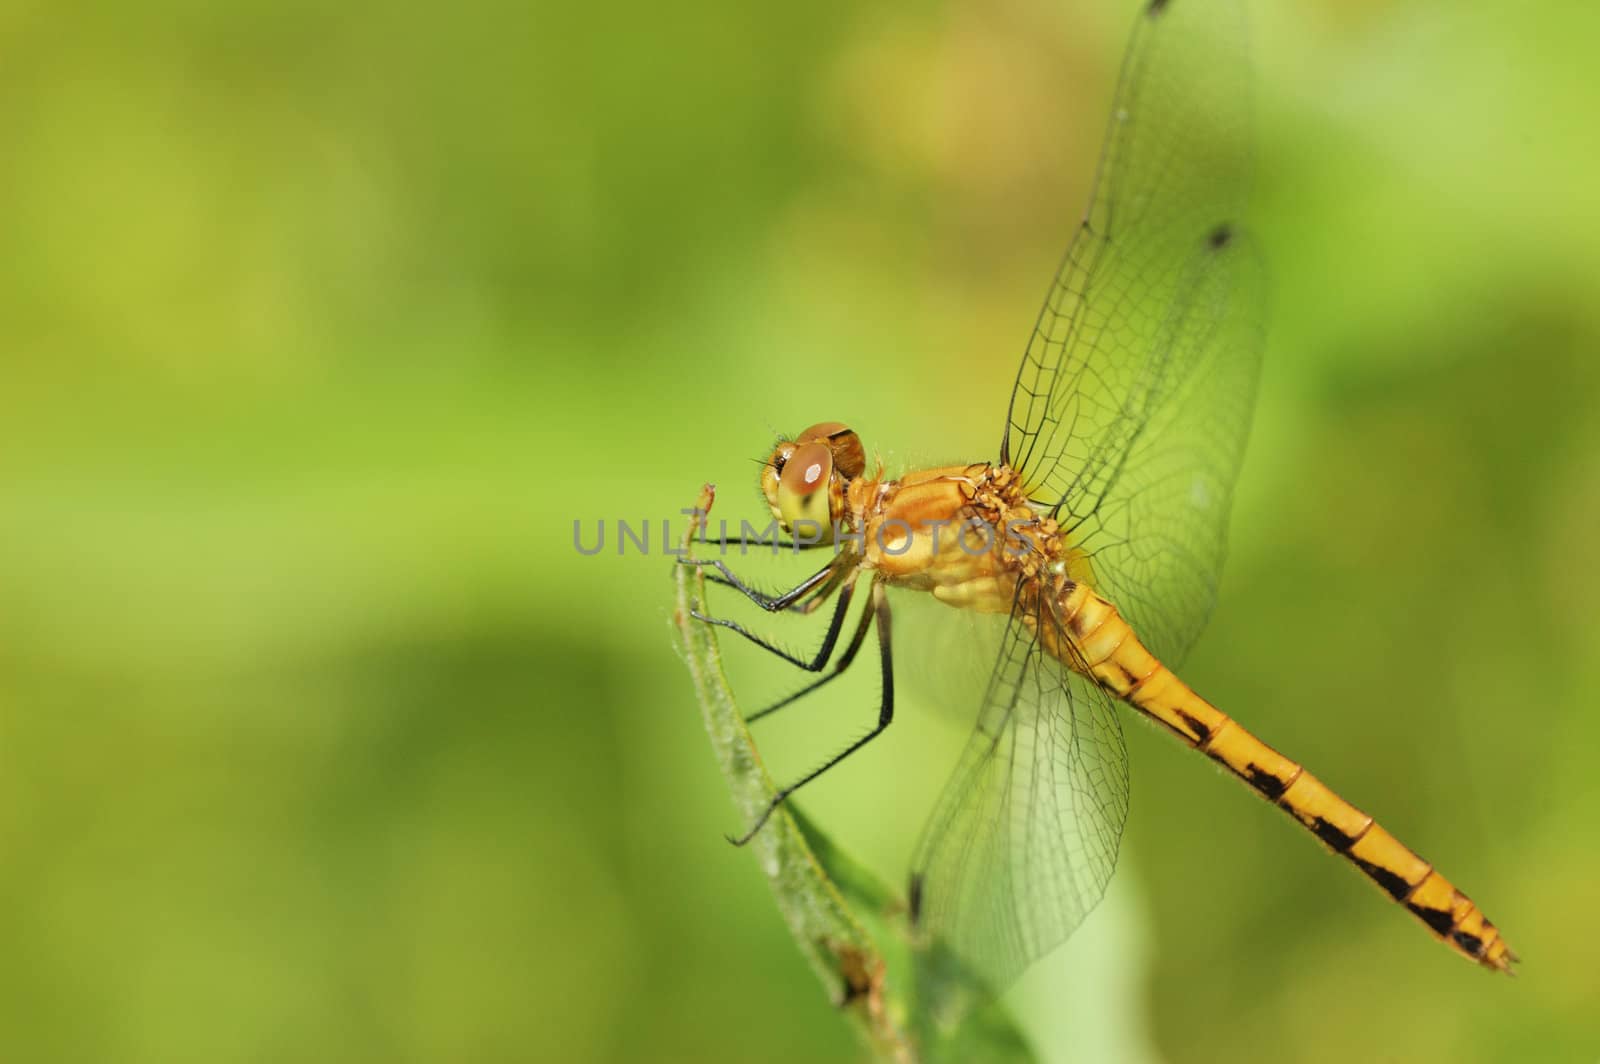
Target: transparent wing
(1025, 835)
(1133, 400)
(1155, 526)
(942, 654)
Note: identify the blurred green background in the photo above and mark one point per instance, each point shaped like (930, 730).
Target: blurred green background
(321, 325)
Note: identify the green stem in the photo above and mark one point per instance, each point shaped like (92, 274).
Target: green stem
(840, 950)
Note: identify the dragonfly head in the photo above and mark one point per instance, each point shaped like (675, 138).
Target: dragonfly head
(805, 479)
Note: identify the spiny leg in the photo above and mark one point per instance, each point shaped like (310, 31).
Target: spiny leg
(880, 612)
(818, 660)
(805, 607)
(839, 666)
(770, 603)
(774, 545)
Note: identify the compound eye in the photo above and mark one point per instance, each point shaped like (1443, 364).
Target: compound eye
(848, 455)
(803, 485)
(822, 430)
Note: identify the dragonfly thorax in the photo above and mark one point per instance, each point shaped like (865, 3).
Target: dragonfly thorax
(968, 534)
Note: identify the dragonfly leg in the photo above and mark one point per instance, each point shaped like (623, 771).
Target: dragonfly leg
(880, 612)
(805, 607)
(835, 626)
(755, 541)
(839, 666)
(770, 603)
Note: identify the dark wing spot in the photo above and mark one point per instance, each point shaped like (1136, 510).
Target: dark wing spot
(914, 898)
(1156, 7)
(1264, 781)
(1438, 919)
(1469, 942)
(1221, 236)
(1396, 887)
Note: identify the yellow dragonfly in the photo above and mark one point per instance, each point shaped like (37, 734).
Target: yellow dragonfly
(1097, 535)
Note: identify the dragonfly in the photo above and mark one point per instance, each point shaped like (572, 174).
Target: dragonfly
(1097, 536)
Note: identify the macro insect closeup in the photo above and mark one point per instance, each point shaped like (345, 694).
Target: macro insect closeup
(1094, 537)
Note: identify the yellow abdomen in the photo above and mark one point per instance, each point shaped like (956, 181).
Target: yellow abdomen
(1103, 646)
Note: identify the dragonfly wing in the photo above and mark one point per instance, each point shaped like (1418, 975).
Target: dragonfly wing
(1155, 522)
(1025, 836)
(1133, 401)
(942, 654)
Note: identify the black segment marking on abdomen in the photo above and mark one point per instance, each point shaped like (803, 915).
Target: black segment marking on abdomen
(1264, 781)
(1438, 919)
(1199, 729)
(1396, 887)
(1120, 682)
(1332, 835)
